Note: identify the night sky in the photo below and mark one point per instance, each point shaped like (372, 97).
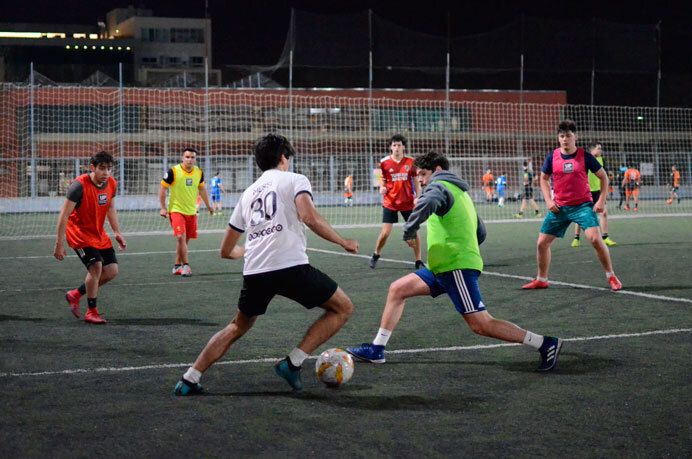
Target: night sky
(252, 32)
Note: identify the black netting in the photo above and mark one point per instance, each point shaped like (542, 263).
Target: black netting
(397, 46)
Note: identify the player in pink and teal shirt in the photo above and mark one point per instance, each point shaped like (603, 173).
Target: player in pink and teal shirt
(572, 202)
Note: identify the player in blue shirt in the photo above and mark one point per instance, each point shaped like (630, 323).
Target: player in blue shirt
(501, 185)
(216, 190)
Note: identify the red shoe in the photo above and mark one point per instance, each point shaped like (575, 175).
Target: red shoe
(536, 284)
(93, 316)
(614, 283)
(635, 209)
(72, 298)
(626, 207)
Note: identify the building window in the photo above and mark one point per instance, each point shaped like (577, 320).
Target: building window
(197, 61)
(160, 35)
(149, 61)
(187, 36)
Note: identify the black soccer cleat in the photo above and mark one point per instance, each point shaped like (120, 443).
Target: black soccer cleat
(373, 260)
(549, 350)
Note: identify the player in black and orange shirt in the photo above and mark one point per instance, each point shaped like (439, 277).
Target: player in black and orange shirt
(88, 203)
(674, 185)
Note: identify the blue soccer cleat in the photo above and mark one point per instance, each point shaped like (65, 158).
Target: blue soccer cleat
(185, 387)
(291, 376)
(549, 351)
(369, 352)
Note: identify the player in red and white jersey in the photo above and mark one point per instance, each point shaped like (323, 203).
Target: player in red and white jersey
(272, 213)
(89, 202)
(399, 186)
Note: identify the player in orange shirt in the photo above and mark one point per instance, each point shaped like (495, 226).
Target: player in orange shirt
(488, 181)
(348, 191)
(674, 185)
(631, 182)
(398, 184)
(88, 203)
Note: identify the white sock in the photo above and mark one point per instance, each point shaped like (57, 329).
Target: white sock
(609, 275)
(192, 375)
(533, 340)
(542, 279)
(382, 337)
(297, 357)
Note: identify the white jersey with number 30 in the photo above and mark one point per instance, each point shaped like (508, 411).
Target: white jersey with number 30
(275, 237)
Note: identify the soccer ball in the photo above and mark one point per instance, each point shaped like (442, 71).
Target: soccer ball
(334, 367)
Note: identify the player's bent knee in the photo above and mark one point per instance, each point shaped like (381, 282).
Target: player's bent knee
(339, 303)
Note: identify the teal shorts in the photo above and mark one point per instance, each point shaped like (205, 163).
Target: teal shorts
(583, 215)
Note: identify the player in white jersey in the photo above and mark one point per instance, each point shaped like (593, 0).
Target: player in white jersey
(272, 212)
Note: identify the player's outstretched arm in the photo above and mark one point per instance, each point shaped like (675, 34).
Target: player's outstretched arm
(203, 194)
(229, 246)
(67, 208)
(316, 222)
(545, 189)
(112, 216)
(162, 201)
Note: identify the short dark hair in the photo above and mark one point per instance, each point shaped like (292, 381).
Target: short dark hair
(398, 138)
(526, 164)
(431, 160)
(567, 125)
(594, 144)
(192, 150)
(218, 173)
(102, 157)
(268, 151)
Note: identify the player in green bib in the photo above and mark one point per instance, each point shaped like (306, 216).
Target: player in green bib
(596, 150)
(453, 267)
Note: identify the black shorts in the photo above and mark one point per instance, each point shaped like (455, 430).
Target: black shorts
(595, 195)
(392, 216)
(674, 189)
(90, 255)
(528, 192)
(304, 284)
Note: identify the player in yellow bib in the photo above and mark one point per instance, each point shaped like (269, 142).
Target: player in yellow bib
(184, 181)
(596, 150)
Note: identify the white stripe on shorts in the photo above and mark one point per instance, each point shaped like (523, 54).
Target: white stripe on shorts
(461, 286)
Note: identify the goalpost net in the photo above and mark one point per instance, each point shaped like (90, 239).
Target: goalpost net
(47, 135)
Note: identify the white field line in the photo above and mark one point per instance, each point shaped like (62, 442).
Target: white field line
(391, 260)
(276, 359)
(360, 225)
(513, 276)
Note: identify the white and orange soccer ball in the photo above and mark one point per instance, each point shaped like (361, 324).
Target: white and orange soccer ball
(334, 367)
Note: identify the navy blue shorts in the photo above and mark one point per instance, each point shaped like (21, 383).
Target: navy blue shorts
(461, 285)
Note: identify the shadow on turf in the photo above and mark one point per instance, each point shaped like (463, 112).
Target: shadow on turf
(223, 273)
(162, 322)
(23, 319)
(346, 397)
(659, 288)
(569, 363)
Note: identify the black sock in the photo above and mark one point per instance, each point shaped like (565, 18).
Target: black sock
(521, 212)
(91, 302)
(82, 289)
(576, 236)
(290, 365)
(177, 266)
(605, 235)
(537, 212)
(375, 256)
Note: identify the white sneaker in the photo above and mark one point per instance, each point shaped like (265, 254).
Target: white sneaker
(177, 270)
(186, 271)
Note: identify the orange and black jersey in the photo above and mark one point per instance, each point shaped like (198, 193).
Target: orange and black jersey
(85, 223)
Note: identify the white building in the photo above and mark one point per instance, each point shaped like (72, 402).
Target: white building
(168, 49)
